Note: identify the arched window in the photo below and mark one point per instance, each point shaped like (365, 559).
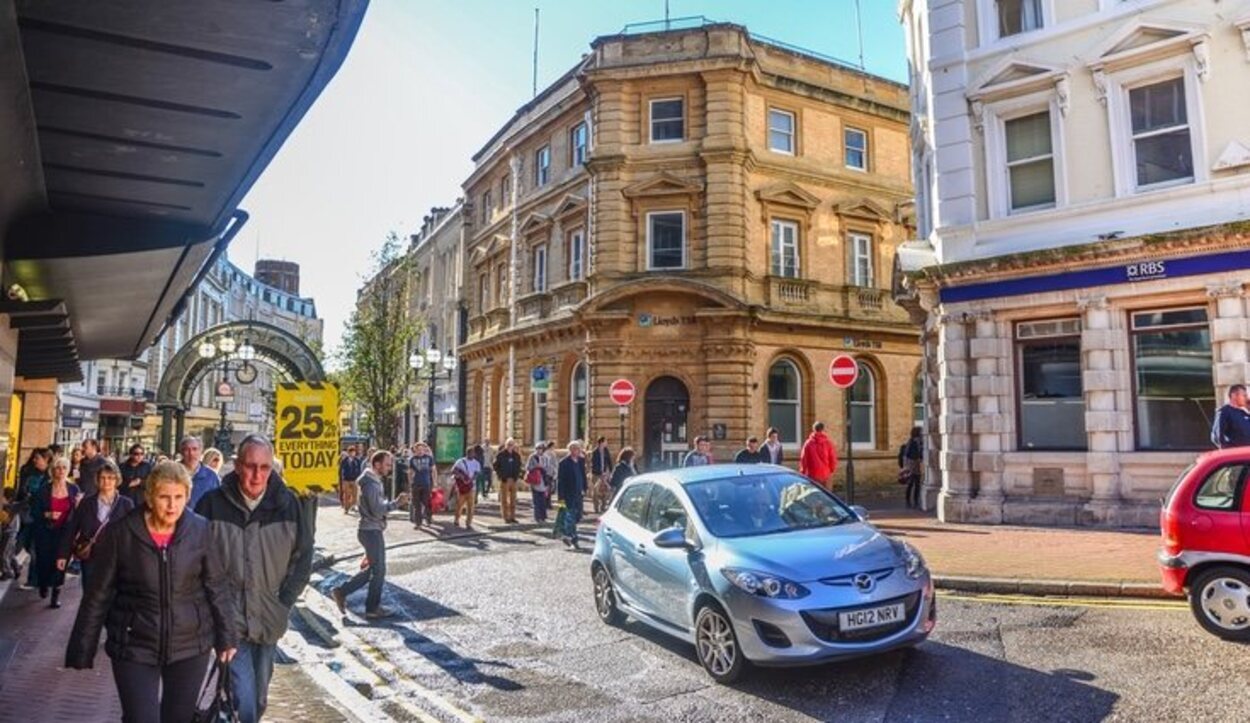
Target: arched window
(785, 410)
(917, 399)
(864, 409)
(579, 393)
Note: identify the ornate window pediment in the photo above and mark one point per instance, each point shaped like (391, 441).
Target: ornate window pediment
(664, 184)
(865, 209)
(788, 194)
(1015, 76)
(569, 205)
(535, 223)
(1140, 42)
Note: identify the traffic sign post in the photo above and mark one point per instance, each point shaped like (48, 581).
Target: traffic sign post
(622, 392)
(844, 372)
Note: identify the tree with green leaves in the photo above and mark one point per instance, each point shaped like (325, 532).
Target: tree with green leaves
(377, 340)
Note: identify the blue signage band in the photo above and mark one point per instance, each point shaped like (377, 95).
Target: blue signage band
(1107, 276)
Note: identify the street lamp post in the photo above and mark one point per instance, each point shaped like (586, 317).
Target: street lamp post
(432, 361)
(236, 357)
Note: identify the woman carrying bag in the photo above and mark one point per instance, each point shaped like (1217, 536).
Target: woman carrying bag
(91, 516)
(52, 508)
(158, 587)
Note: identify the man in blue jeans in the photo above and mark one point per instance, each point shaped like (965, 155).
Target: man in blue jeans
(373, 508)
(266, 540)
(571, 486)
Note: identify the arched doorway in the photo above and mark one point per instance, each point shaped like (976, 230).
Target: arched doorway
(666, 407)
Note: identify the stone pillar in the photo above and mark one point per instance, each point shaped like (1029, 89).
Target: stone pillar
(954, 420)
(992, 423)
(1105, 421)
(729, 365)
(1229, 336)
(933, 440)
(167, 430)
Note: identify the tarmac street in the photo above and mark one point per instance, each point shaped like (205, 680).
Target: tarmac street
(500, 625)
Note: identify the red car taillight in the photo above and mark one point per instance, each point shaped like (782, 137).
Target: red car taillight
(1171, 527)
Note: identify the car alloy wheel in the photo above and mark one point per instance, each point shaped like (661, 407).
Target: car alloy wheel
(605, 597)
(1220, 599)
(717, 645)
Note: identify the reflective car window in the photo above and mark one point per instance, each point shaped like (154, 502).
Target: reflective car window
(1219, 491)
(765, 504)
(632, 504)
(665, 511)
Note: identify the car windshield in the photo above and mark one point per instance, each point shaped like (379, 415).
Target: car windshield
(765, 504)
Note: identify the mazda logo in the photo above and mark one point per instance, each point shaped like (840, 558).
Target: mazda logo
(864, 582)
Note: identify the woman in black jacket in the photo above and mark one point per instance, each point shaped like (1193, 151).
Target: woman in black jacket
(624, 470)
(50, 514)
(92, 515)
(159, 588)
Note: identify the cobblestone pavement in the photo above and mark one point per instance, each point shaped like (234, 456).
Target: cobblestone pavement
(35, 687)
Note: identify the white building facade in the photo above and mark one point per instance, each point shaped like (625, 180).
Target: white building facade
(436, 254)
(1082, 170)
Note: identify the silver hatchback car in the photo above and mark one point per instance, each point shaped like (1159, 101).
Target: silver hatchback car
(756, 564)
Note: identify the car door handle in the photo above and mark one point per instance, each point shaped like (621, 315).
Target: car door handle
(641, 549)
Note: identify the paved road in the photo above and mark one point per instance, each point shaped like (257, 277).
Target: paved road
(501, 627)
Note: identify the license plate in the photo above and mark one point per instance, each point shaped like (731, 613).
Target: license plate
(870, 618)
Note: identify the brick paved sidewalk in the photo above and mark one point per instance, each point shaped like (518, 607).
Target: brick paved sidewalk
(1035, 553)
(34, 687)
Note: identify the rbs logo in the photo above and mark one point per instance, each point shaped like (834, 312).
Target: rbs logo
(1146, 270)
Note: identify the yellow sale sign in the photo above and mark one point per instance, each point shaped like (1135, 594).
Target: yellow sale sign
(307, 438)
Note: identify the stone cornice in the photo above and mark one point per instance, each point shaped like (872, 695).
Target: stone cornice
(1206, 239)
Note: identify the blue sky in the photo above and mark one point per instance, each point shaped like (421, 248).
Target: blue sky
(427, 83)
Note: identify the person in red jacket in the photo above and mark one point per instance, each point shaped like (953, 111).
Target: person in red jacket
(819, 459)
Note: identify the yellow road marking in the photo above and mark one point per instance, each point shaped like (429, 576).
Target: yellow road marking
(1115, 603)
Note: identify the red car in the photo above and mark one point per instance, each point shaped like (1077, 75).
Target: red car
(1206, 541)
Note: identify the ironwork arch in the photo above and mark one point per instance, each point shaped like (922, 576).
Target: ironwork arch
(274, 347)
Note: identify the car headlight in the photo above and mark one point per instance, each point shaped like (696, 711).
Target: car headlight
(913, 562)
(764, 585)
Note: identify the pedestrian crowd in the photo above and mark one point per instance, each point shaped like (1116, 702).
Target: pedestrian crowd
(191, 576)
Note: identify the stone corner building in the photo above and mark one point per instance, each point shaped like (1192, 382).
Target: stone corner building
(705, 214)
(1082, 249)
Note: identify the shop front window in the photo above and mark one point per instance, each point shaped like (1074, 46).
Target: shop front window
(1174, 386)
(1052, 401)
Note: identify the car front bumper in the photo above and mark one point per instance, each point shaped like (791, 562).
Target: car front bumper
(809, 624)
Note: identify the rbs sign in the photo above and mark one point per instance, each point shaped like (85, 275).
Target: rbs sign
(1146, 270)
(308, 435)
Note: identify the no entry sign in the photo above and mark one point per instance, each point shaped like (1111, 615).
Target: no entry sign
(843, 371)
(622, 392)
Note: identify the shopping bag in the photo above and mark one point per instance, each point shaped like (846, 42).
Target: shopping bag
(216, 700)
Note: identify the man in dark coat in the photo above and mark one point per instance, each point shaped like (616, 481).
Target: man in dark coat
(751, 454)
(253, 511)
(1231, 427)
(571, 487)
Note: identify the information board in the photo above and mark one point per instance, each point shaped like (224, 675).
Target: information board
(448, 443)
(307, 441)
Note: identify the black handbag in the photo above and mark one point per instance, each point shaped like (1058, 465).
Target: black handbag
(215, 703)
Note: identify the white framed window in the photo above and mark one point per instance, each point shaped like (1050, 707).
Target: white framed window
(579, 396)
(785, 405)
(501, 285)
(1049, 391)
(1005, 18)
(486, 208)
(864, 409)
(666, 240)
(781, 131)
(668, 120)
(1156, 118)
(1024, 154)
(542, 166)
(540, 267)
(578, 142)
(1030, 162)
(861, 254)
(577, 254)
(785, 249)
(1163, 151)
(855, 144)
(503, 191)
(1173, 378)
(483, 293)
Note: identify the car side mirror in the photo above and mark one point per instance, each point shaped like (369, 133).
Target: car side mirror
(672, 538)
(860, 511)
